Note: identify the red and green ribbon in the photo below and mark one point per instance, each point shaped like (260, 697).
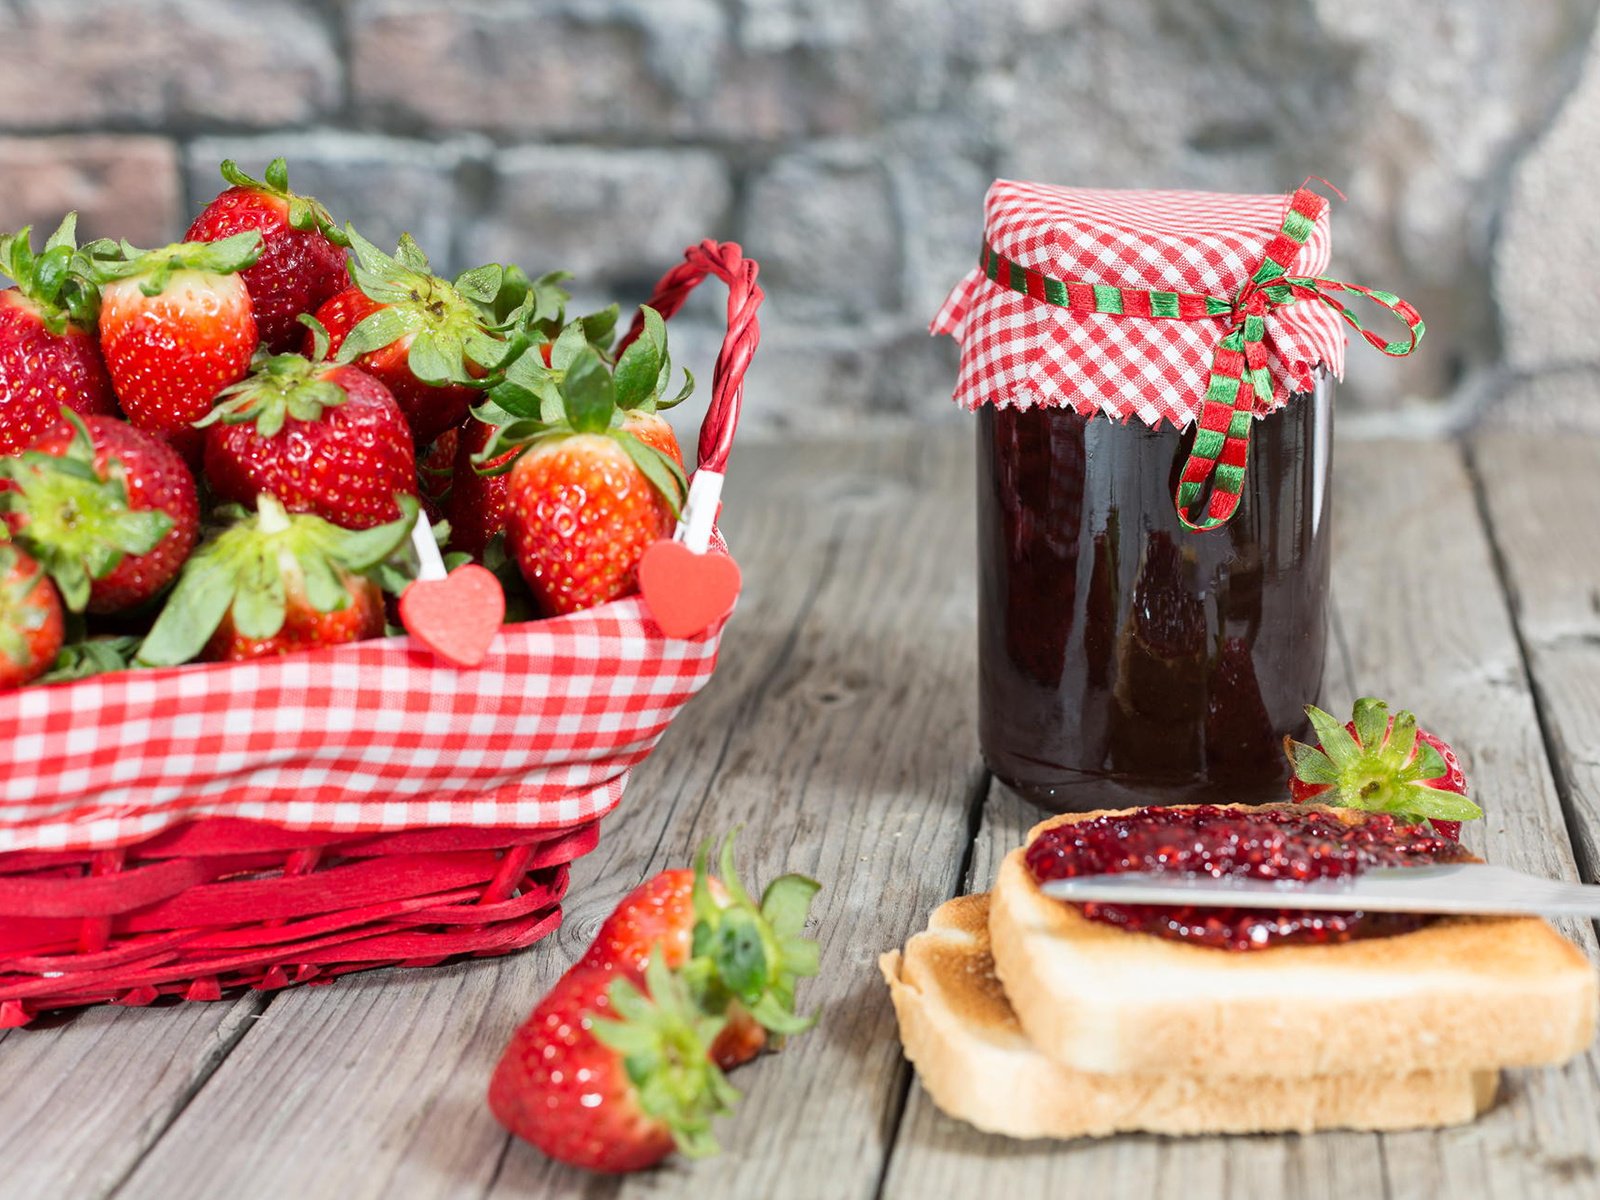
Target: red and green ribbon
(1239, 364)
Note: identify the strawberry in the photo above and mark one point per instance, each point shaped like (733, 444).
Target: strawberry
(322, 438)
(302, 259)
(1381, 763)
(176, 328)
(427, 339)
(275, 583)
(608, 1077)
(110, 512)
(31, 625)
(477, 502)
(436, 473)
(599, 478)
(740, 958)
(48, 353)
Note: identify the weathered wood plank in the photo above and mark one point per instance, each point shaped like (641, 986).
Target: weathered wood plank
(1542, 496)
(82, 1098)
(838, 730)
(1424, 621)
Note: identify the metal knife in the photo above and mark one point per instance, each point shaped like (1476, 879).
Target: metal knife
(1446, 888)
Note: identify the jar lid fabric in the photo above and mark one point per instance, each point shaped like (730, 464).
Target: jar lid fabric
(1017, 351)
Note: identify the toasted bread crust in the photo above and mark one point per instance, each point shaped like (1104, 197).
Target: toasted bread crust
(976, 1063)
(1473, 993)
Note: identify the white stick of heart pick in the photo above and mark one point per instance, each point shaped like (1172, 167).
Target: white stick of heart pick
(428, 556)
(700, 511)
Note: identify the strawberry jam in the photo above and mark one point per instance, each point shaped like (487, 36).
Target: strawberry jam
(1124, 659)
(1287, 843)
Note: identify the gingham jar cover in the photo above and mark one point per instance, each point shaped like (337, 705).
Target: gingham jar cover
(1016, 351)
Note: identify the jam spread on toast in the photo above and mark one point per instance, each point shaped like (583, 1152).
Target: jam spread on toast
(1280, 843)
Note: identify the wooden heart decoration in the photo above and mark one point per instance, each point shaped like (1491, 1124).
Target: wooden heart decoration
(687, 593)
(456, 617)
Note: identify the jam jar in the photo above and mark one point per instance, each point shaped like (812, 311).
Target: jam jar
(1125, 659)
(1151, 374)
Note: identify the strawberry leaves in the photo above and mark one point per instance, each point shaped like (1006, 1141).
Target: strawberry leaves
(57, 280)
(304, 212)
(154, 268)
(749, 952)
(257, 565)
(1379, 764)
(278, 387)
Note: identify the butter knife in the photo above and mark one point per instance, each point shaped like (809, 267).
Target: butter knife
(1445, 888)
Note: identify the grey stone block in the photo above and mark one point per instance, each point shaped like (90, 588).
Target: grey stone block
(608, 215)
(166, 64)
(822, 223)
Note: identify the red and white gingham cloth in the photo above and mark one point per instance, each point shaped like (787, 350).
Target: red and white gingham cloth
(1017, 351)
(376, 735)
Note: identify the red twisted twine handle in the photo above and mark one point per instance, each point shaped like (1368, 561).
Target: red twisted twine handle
(727, 262)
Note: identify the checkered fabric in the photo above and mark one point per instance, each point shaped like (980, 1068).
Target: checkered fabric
(1017, 351)
(376, 735)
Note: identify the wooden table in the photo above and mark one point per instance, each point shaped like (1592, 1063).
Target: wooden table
(840, 732)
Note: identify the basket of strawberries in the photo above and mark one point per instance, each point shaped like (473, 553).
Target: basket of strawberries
(337, 599)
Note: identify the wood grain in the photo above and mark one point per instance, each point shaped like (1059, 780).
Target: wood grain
(83, 1098)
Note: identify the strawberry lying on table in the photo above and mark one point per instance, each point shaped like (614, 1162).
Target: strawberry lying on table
(623, 1060)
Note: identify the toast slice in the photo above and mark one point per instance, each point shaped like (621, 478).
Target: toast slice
(977, 1064)
(1470, 993)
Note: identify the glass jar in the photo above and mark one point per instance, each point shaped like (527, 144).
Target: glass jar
(1125, 659)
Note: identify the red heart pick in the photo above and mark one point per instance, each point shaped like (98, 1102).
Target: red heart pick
(687, 592)
(456, 617)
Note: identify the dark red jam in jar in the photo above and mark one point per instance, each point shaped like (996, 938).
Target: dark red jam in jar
(1298, 843)
(1124, 659)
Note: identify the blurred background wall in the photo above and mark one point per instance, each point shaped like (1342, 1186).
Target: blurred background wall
(848, 145)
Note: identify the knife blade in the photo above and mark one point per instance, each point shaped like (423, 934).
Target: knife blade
(1461, 888)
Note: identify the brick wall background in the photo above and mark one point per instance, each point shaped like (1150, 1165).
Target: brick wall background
(848, 144)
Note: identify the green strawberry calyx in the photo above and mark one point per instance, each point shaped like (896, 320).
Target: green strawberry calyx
(580, 392)
(1382, 767)
(20, 578)
(57, 280)
(258, 565)
(279, 386)
(304, 212)
(664, 1036)
(76, 521)
(451, 325)
(154, 269)
(751, 952)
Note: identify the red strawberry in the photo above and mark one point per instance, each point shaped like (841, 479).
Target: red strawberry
(740, 958)
(601, 477)
(609, 1078)
(110, 512)
(302, 259)
(31, 626)
(436, 471)
(477, 502)
(427, 339)
(1381, 763)
(274, 583)
(48, 353)
(176, 328)
(323, 439)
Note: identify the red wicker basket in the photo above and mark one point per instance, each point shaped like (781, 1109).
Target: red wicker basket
(186, 831)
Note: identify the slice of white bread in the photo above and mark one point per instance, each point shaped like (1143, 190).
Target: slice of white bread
(978, 1066)
(1465, 993)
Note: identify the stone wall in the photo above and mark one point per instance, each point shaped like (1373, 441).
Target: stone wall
(847, 144)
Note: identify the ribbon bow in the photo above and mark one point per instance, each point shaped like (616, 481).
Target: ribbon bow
(1239, 375)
